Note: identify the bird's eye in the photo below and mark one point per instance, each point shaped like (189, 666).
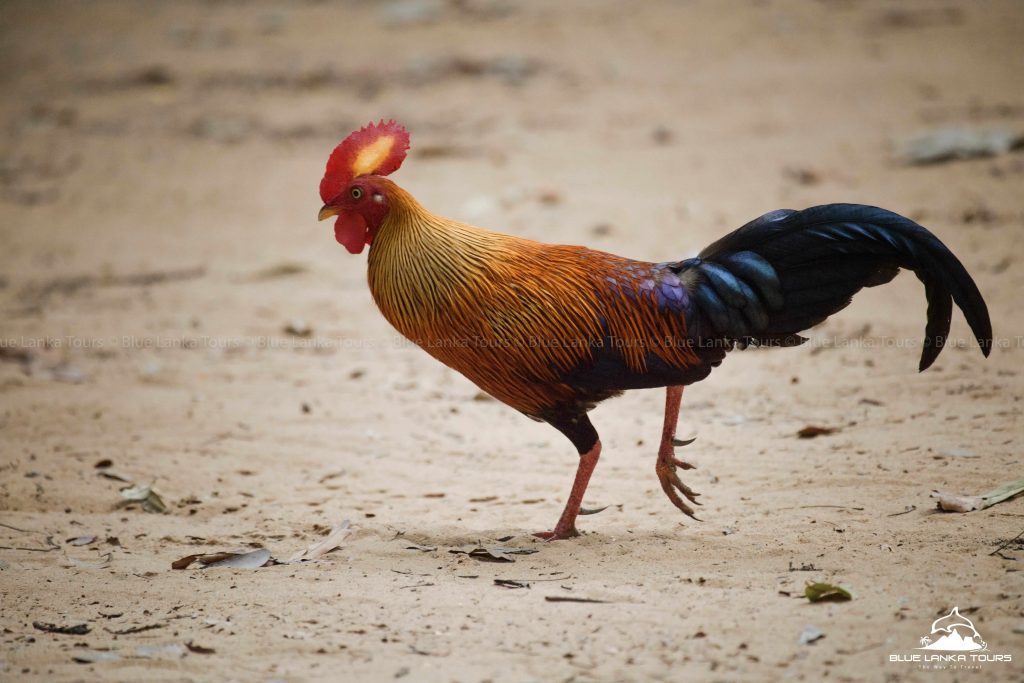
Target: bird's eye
(356, 193)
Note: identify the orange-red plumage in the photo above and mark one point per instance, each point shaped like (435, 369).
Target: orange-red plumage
(513, 315)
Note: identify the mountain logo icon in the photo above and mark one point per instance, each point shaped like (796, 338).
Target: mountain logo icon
(953, 633)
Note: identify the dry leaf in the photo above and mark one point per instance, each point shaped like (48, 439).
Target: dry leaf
(822, 592)
(150, 499)
(325, 545)
(250, 560)
(199, 649)
(76, 630)
(116, 476)
(811, 634)
(952, 502)
(94, 657)
(237, 559)
(812, 431)
(493, 553)
(104, 562)
(421, 548)
(81, 540)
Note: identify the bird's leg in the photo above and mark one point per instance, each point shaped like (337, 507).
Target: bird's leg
(667, 461)
(566, 526)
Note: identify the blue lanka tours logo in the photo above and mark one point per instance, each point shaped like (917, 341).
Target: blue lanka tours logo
(952, 643)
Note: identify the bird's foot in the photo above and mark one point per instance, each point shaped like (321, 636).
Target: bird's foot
(558, 535)
(670, 483)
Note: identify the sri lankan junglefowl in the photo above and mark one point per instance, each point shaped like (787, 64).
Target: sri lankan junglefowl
(552, 330)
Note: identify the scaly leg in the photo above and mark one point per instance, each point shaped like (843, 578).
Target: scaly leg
(667, 461)
(566, 526)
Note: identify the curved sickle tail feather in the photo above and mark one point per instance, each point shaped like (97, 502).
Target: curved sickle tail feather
(789, 270)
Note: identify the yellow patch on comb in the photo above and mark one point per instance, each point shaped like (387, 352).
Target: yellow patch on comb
(374, 149)
(372, 156)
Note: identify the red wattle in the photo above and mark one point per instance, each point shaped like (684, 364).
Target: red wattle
(351, 232)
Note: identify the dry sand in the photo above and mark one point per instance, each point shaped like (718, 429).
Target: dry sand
(188, 139)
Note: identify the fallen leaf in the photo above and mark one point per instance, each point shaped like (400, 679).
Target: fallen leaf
(199, 649)
(81, 540)
(493, 553)
(94, 657)
(185, 562)
(104, 562)
(116, 476)
(811, 634)
(822, 592)
(952, 143)
(76, 630)
(490, 555)
(297, 327)
(330, 542)
(421, 548)
(150, 499)
(239, 559)
(951, 502)
(812, 431)
(136, 629)
(251, 560)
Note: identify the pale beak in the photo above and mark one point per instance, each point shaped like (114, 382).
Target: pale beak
(326, 212)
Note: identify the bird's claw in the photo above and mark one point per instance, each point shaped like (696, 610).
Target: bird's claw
(683, 442)
(557, 534)
(672, 486)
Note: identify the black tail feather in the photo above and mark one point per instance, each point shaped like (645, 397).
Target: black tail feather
(789, 270)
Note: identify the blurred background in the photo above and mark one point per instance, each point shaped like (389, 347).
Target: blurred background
(170, 302)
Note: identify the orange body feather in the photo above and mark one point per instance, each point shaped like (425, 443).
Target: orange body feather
(511, 314)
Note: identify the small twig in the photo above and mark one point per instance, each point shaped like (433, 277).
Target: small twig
(135, 629)
(35, 550)
(24, 531)
(910, 508)
(76, 630)
(567, 598)
(1005, 545)
(418, 585)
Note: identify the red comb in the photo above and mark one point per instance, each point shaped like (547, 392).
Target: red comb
(375, 149)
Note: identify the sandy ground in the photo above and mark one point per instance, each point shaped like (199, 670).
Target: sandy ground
(158, 189)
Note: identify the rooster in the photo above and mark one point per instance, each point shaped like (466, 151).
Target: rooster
(553, 330)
